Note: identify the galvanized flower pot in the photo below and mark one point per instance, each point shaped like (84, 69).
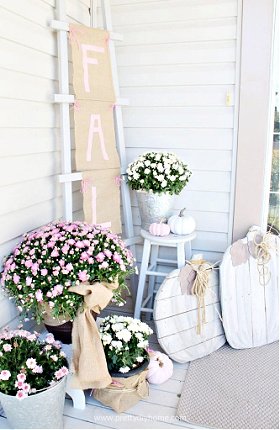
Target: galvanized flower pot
(153, 207)
(43, 410)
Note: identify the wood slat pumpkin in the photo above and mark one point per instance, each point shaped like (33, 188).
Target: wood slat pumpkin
(249, 290)
(176, 319)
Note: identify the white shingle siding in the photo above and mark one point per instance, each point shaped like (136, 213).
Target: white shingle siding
(177, 63)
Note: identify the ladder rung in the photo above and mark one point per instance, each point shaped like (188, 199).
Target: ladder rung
(153, 273)
(147, 310)
(162, 260)
(146, 300)
(64, 26)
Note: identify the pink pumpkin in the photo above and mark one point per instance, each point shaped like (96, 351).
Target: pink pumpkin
(159, 229)
(160, 368)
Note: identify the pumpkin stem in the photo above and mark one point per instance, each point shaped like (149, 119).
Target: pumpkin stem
(160, 362)
(163, 220)
(181, 214)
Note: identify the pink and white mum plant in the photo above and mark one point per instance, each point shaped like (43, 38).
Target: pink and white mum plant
(28, 365)
(56, 256)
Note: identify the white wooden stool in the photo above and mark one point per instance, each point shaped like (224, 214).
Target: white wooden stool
(150, 255)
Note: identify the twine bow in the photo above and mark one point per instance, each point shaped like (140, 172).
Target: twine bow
(262, 250)
(89, 361)
(197, 272)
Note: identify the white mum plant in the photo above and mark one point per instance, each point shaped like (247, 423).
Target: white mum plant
(125, 342)
(158, 172)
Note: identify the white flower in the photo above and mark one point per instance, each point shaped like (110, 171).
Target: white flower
(117, 326)
(139, 359)
(106, 338)
(182, 178)
(160, 167)
(136, 176)
(147, 162)
(157, 157)
(124, 369)
(31, 363)
(124, 335)
(164, 183)
(143, 344)
(116, 344)
(147, 171)
(161, 178)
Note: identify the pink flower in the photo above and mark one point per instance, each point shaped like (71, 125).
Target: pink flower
(65, 249)
(44, 272)
(39, 296)
(108, 253)
(61, 372)
(79, 244)
(51, 244)
(19, 384)
(21, 377)
(16, 278)
(58, 290)
(50, 338)
(31, 363)
(28, 281)
(84, 256)
(32, 337)
(55, 273)
(35, 268)
(37, 369)
(21, 395)
(71, 241)
(104, 265)
(5, 375)
(83, 276)
(26, 388)
(55, 253)
(7, 347)
(100, 257)
(69, 267)
(117, 258)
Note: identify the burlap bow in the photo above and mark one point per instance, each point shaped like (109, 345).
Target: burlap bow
(194, 279)
(123, 393)
(89, 362)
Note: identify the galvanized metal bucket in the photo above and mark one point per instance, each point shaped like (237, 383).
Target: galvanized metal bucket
(153, 207)
(43, 410)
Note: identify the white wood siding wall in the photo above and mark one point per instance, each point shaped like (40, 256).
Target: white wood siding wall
(177, 63)
(29, 135)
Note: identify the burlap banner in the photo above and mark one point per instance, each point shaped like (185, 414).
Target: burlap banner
(96, 154)
(95, 136)
(101, 191)
(92, 76)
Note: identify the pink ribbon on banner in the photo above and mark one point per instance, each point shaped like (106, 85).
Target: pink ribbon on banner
(118, 180)
(84, 185)
(76, 106)
(74, 35)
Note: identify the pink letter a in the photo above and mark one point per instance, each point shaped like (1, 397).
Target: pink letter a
(95, 127)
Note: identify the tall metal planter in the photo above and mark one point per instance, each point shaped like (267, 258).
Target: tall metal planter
(153, 207)
(43, 410)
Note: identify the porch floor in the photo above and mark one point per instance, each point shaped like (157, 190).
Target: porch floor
(158, 411)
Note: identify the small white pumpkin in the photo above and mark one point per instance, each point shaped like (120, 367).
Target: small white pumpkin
(160, 367)
(159, 229)
(182, 224)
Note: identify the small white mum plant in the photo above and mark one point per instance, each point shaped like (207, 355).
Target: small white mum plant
(125, 342)
(158, 172)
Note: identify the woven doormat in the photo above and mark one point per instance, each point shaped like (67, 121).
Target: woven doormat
(236, 389)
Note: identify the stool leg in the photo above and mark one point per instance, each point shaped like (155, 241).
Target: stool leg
(152, 278)
(181, 258)
(142, 278)
(188, 250)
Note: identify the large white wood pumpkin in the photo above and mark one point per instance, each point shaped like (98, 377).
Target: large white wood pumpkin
(249, 292)
(176, 317)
